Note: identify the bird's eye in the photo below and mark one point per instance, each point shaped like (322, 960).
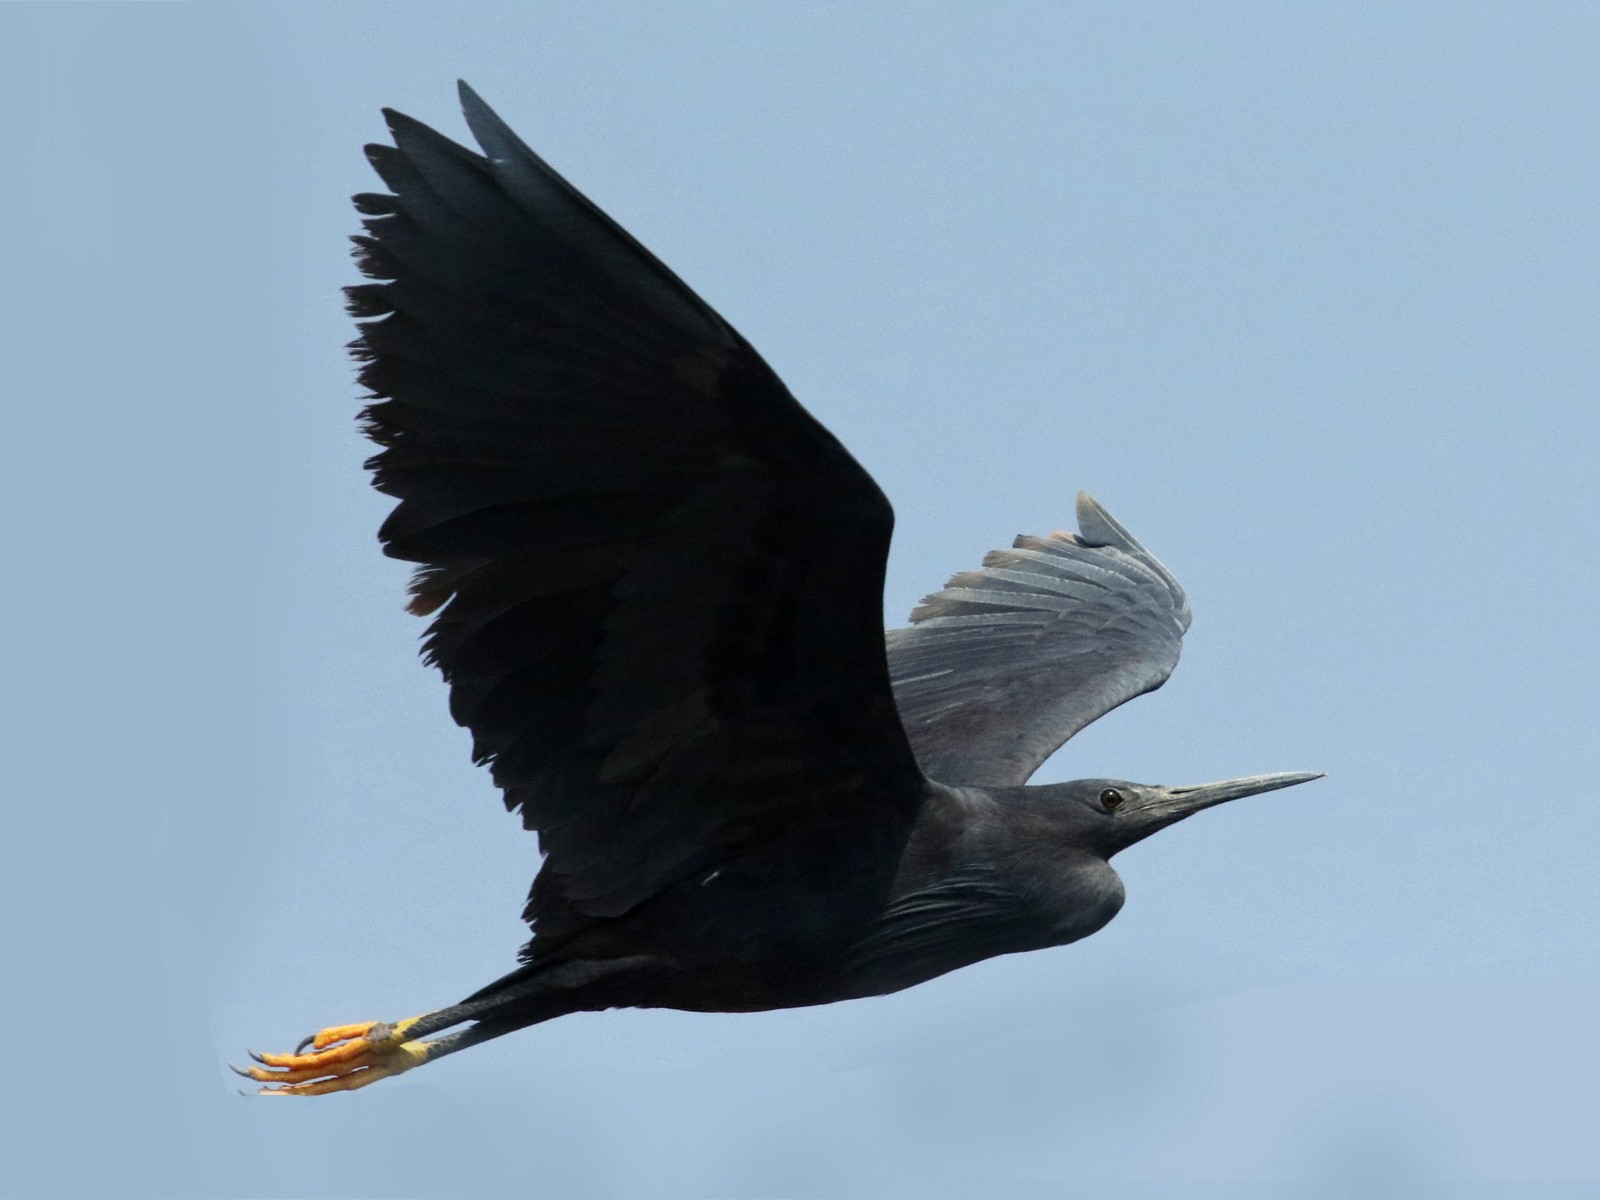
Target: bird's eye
(1112, 799)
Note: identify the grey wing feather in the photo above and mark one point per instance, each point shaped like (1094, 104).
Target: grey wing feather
(1006, 663)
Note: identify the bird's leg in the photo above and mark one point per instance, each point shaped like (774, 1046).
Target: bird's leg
(342, 1058)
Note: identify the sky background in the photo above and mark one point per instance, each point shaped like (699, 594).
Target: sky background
(1305, 294)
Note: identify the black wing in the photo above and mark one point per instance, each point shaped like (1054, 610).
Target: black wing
(1005, 664)
(657, 579)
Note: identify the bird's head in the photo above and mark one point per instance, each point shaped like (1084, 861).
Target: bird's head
(1109, 815)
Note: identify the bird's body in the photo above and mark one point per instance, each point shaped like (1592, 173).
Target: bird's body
(748, 935)
(656, 590)
(1006, 858)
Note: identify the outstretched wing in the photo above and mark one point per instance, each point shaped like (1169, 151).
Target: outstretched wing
(657, 580)
(1005, 664)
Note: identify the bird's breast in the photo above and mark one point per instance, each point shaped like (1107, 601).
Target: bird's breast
(1080, 897)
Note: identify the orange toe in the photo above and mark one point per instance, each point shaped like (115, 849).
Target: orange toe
(345, 1057)
(343, 1053)
(341, 1033)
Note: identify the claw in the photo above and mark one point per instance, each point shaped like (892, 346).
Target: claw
(343, 1058)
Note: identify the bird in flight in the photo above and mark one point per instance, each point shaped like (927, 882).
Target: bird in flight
(656, 587)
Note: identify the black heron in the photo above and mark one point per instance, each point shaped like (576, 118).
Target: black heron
(656, 585)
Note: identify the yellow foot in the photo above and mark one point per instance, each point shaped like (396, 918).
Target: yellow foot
(343, 1058)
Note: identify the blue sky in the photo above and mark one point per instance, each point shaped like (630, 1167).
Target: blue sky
(1305, 295)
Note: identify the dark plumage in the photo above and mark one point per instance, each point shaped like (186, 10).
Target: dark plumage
(655, 584)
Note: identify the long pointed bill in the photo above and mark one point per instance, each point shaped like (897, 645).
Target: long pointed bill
(1171, 805)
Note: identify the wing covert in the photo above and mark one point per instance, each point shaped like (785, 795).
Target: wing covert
(1003, 665)
(971, 915)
